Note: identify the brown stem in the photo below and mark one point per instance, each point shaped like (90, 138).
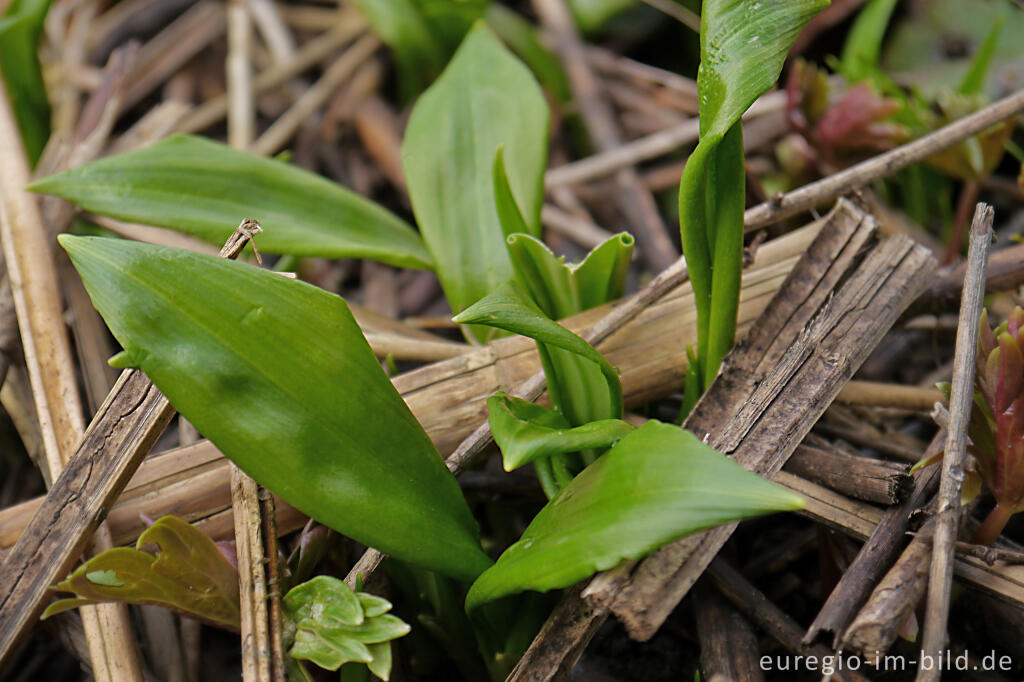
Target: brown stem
(988, 532)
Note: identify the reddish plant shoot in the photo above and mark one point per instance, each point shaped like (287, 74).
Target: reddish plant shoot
(997, 423)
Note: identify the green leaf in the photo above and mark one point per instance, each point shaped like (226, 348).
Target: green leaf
(485, 98)
(656, 485)
(381, 663)
(331, 627)
(509, 216)
(419, 54)
(328, 600)
(977, 73)
(525, 431)
(510, 308)
(188, 574)
(204, 188)
(20, 28)
(278, 375)
(576, 386)
(863, 46)
(743, 46)
(591, 15)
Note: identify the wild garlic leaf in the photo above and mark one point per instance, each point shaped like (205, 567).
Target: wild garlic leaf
(509, 307)
(278, 375)
(525, 431)
(485, 98)
(656, 485)
(205, 188)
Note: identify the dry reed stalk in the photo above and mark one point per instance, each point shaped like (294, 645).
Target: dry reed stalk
(348, 27)
(940, 577)
(245, 504)
(33, 279)
(278, 134)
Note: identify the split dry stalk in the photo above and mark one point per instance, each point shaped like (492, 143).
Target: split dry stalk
(728, 644)
(886, 539)
(954, 460)
(892, 602)
(33, 280)
(767, 616)
(862, 478)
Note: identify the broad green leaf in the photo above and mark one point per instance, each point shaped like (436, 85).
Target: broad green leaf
(863, 45)
(204, 188)
(656, 485)
(510, 308)
(485, 98)
(20, 28)
(525, 431)
(188, 573)
(331, 627)
(278, 375)
(743, 46)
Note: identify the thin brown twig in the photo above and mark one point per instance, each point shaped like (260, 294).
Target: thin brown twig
(646, 148)
(940, 576)
(278, 134)
(349, 26)
(990, 555)
(825, 190)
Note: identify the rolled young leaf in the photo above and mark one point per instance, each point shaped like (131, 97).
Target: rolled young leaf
(510, 308)
(204, 188)
(657, 484)
(743, 46)
(485, 98)
(560, 290)
(278, 375)
(525, 431)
